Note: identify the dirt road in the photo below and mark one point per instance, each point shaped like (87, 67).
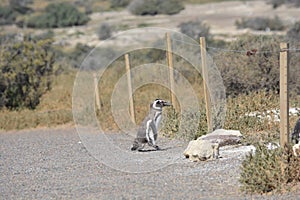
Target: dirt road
(54, 164)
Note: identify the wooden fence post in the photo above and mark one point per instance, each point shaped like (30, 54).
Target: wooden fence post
(97, 96)
(171, 70)
(127, 63)
(205, 79)
(284, 94)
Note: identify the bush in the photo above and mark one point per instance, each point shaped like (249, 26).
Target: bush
(154, 7)
(269, 170)
(58, 15)
(20, 6)
(171, 124)
(261, 171)
(293, 33)
(26, 70)
(195, 29)
(251, 115)
(119, 3)
(277, 3)
(104, 32)
(261, 24)
(79, 54)
(252, 66)
(7, 15)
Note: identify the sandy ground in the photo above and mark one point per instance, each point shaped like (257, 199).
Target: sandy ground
(55, 164)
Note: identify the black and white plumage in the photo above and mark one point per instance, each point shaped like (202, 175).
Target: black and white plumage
(296, 132)
(147, 132)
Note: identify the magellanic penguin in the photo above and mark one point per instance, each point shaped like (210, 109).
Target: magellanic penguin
(147, 132)
(296, 132)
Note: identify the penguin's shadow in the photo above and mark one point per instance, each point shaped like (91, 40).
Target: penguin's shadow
(149, 150)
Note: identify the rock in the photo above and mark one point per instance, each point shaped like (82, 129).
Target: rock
(223, 137)
(207, 146)
(201, 150)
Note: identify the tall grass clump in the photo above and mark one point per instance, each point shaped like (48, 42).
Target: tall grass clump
(55, 107)
(173, 128)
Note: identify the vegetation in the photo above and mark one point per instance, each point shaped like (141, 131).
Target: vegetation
(105, 31)
(119, 3)
(155, 7)
(10, 12)
(278, 3)
(261, 24)
(20, 6)
(77, 56)
(7, 15)
(57, 15)
(195, 29)
(26, 69)
(293, 33)
(55, 107)
(253, 67)
(269, 170)
(37, 78)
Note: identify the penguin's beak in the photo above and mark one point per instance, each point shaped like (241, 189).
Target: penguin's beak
(165, 103)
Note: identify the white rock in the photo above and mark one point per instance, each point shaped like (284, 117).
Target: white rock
(207, 146)
(201, 150)
(224, 132)
(223, 137)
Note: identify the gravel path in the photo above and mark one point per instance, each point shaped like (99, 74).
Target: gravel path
(54, 164)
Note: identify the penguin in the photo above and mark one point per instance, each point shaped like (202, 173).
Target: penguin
(296, 132)
(147, 132)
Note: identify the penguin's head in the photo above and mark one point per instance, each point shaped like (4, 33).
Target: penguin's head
(159, 104)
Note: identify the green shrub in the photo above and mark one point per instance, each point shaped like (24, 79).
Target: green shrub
(293, 33)
(269, 170)
(195, 29)
(7, 15)
(20, 6)
(277, 3)
(245, 113)
(119, 3)
(58, 15)
(154, 7)
(171, 124)
(253, 67)
(104, 32)
(261, 171)
(79, 54)
(261, 24)
(26, 68)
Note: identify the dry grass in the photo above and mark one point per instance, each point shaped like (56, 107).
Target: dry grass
(55, 108)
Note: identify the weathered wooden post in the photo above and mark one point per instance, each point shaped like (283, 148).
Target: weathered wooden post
(205, 79)
(127, 63)
(97, 96)
(171, 70)
(284, 94)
